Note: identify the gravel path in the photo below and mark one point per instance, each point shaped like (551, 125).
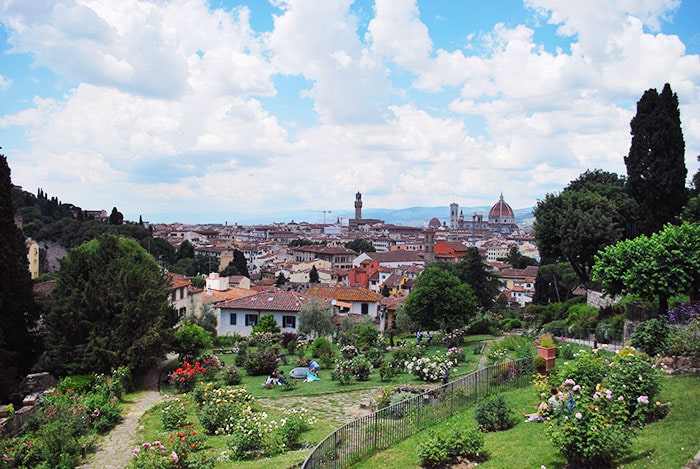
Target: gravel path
(115, 449)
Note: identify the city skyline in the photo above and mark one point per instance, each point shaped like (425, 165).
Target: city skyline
(211, 112)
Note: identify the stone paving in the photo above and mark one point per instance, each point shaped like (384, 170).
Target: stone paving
(115, 449)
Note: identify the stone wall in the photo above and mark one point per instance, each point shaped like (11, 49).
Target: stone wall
(678, 365)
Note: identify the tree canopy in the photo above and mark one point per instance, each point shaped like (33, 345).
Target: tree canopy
(656, 170)
(554, 283)
(19, 345)
(473, 271)
(316, 318)
(440, 300)
(111, 308)
(116, 217)
(659, 266)
(313, 275)
(592, 212)
(360, 245)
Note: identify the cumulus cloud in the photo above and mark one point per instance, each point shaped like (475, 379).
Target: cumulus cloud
(173, 104)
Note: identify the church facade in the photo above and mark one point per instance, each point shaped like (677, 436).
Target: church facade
(501, 219)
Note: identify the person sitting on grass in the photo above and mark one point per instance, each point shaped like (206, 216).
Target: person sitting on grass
(553, 405)
(271, 380)
(314, 367)
(281, 378)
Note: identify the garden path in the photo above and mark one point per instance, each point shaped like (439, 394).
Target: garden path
(115, 449)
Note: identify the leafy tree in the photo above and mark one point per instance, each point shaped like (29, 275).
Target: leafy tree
(229, 271)
(267, 323)
(517, 260)
(203, 264)
(116, 217)
(592, 212)
(19, 345)
(198, 282)
(360, 245)
(660, 266)
(554, 283)
(162, 251)
(111, 308)
(473, 271)
(281, 280)
(440, 300)
(404, 322)
(656, 169)
(185, 251)
(240, 262)
(313, 275)
(191, 339)
(316, 318)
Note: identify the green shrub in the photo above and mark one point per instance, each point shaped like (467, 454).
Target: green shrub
(173, 414)
(588, 370)
(266, 323)
(261, 363)
(122, 381)
(595, 431)
(567, 350)
(650, 336)
(556, 328)
(684, 341)
(232, 375)
(79, 384)
(342, 371)
(610, 329)
(386, 373)
(375, 355)
(493, 414)
(539, 362)
(632, 375)
(581, 319)
(362, 368)
(320, 346)
(440, 448)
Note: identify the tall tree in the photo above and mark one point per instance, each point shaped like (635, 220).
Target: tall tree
(19, 344)
(440, 300)
(656, 168)
(313, 275)
(185, 251)
(592, 212)
(654, 267)
(116, 217)
(240, 262)
(473, 271)
(111, 308)
(316, 318)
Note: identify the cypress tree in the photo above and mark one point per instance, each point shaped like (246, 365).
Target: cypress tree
(656, 168)
(19, 312)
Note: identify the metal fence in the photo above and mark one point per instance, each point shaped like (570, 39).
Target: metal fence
(368, 434)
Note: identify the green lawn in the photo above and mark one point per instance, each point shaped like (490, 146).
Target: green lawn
(669, 443)
(326, 387)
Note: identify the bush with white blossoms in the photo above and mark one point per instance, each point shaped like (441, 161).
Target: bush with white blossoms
(456, 354)
(220, 408)
(349, 352)
(431, 368)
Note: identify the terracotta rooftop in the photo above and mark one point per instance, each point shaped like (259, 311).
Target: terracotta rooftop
(215, 296)
(267, 301)
(178, 281)
(344, 293)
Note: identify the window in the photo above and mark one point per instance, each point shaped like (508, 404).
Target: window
(182, 312)
(232, 319)
(289, 321)
(365, 308)
(251, 319)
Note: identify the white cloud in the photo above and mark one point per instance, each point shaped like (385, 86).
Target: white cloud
(172, 104)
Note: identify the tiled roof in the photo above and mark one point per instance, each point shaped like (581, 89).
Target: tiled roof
(215, 296)
(396, 256)
(178, 281)
(344, 293)
(268, 301)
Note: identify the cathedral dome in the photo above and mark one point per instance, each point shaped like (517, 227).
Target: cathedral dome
(501, 212)
(434, 224)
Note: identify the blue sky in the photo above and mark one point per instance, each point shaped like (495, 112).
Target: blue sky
(214, 111)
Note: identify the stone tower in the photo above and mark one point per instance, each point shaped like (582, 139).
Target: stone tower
(358, 206)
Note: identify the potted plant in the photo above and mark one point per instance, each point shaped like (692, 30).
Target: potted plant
(547, 349)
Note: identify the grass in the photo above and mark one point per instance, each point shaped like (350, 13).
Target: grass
(330, 391)
(670, 442)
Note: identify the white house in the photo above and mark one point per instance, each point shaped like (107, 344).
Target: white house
(238, 316)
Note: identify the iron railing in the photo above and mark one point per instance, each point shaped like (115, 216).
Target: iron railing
(366, 435)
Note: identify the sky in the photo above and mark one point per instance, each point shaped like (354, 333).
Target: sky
(218, 111)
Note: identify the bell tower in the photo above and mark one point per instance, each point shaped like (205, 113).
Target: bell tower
(358, 206)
